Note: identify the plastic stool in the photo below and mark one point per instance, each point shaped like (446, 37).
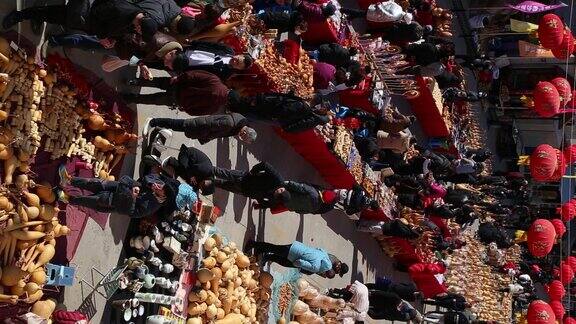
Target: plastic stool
(58, 275)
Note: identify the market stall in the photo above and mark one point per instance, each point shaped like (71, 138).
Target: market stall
(48, 119)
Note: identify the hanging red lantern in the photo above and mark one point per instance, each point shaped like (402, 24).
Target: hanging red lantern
(571, 261)
(566, 273)
(546, 163)
(541, 236)
(557, 308)
(539, 312)
(551, 31)
(567, 211)
(546, 99)
(569, 320)
(564, 50)
(559, 227)
(564, 90)
(556, 290)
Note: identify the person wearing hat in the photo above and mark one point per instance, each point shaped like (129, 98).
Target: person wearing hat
(307, 259)
(314, 12)
(216, 58)
(207, 128)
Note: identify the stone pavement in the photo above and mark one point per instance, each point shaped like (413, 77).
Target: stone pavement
(102, 249)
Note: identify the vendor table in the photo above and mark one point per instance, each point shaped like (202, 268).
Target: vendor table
(429, 111)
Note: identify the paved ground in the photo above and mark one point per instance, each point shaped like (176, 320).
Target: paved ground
(101, 249)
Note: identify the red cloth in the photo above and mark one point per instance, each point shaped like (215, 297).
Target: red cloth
(320, 32)
(68, 317)
(428, 113)
(312, 147)
(328, 196)
(423, 276)
(424, 17)
(441, 223)
(291, 51)
(359, 97)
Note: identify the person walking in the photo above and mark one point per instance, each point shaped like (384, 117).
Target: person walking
(207, 128)
(301, 198)
(195, 92)
(259, 183)
(308, 260)
(389, 306)
(135, 199)
(290, 112)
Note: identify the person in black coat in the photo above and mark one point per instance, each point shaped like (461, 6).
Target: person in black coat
(406, 291)
(455, 302)
(283, 21)
(290, 112)
(110, 19)
(215, 58)
(135, 199)
(259, 183)
(489, 232)
(427, 53)
(336, 54)
(194, 167)
(207, 128)
(389, 306)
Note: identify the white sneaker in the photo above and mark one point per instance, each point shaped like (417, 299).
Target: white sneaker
(146, 127)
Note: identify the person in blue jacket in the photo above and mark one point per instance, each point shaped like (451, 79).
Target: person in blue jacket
(308, 260)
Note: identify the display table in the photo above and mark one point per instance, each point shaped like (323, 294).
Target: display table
(359, 97)
(429, 111)
(312, 147)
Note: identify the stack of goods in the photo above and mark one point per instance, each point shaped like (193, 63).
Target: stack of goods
(442, 22)
(40, 111)
(30, 227)
(285, 76)
(472, 277)
(230, 288)
(313, 307)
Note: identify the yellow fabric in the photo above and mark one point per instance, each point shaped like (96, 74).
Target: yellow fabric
(524, 160)
(520, 26)
(520, 236)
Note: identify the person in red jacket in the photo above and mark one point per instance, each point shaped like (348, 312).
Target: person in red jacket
(425, 277)
(195, 92)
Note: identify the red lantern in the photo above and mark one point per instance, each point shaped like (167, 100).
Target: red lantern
(566, 273)
(546, 99)
(551, 31)
(567, 211)
(564, 90)
(556, 290)
(541, 236)
(540, 313)
(564, 51)
(546, 163)
(571, 261)
(558, 227)
(557, 308)
(569, 320)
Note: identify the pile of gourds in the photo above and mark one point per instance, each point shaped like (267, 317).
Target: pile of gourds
(311, 303)
(30, 226)
(41, 111)
(285, 76)
(231, 289)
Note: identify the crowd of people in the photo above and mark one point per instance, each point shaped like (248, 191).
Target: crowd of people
(162, 34)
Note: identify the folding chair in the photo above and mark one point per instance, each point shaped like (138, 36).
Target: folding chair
(59, 275)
